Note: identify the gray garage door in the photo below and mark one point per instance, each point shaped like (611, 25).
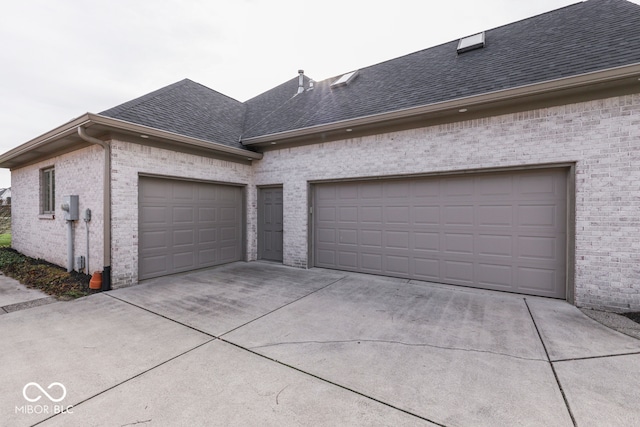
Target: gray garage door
(187, 225)
(502, 231)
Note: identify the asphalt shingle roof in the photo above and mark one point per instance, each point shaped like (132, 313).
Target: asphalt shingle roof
(581, 38)
(585, 37)
(187, 108)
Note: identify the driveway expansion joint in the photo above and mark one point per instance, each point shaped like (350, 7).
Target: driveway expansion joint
(164, 317)
(471, 350)
(553, 369)
(139, 374)
(332, 383)
(604, 356)
(282, 306)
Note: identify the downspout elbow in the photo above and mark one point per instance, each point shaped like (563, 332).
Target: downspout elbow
(106, 283)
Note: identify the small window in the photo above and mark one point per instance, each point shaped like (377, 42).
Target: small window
(48, 190)
(345, 79)
(473, 42)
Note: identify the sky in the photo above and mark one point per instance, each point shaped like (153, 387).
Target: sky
(63, 58)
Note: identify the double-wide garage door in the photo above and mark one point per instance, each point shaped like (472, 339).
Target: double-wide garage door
(187, 225)
(503, 231)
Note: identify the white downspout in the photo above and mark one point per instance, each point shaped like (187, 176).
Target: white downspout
(106, 205)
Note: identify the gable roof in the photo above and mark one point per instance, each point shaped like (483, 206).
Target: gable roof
(187, 108)
(578, 39)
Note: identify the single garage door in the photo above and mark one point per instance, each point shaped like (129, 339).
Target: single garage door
(502, 231)
(187, 225)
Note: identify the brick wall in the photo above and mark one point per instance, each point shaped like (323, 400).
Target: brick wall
(602, 137)
(128, 161)
(40, 236)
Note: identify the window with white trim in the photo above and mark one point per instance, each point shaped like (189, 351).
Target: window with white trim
(48, 191)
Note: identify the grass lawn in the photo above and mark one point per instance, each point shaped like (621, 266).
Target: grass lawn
(5, 239)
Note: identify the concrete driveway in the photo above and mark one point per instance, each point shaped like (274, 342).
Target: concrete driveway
(262, 344)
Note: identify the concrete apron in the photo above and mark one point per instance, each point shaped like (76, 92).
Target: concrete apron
(317, 348)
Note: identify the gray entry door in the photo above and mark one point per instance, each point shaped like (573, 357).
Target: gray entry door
(502, 231)
(270, 224)
(187, 225)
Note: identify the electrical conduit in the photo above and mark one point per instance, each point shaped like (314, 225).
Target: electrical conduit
(106, 205)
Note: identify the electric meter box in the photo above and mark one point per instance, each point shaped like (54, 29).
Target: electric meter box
(70, 208)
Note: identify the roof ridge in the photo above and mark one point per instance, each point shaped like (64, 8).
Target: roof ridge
(151, 95)
(272, 112)
(144, 98)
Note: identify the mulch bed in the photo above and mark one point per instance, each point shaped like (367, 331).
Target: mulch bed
(635, 316)
(40, 274)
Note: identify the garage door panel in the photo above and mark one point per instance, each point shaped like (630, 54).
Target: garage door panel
(371, 238)
(183, 237)
(458, 271)
(373, 190)
(184, 260)
(459, 215)
(425, 189)
(150, 240)
(456, 243)
(426, 215)
(154, 215)
(497, 231)
(348, 236)
(540, 279)
(426, 268)
(371, 214)
(326, 235)
(155, 264)
(371, 262)
(495, 215)
(182, 225)
(326, 258)
(183, 215)
(397, 189)
(347, 259)
(495, 275)
(495, 186)
(207, 235)
(207, 257)
(459, 187)
(495, 245)
(397, 240)
(536, 184)
(327, 214)
(537, 216)
(537, 247)
(426, 241)
(348, 214)
(397, 265)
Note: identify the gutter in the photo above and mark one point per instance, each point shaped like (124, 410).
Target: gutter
(547, 87)
(96, 119)
(106, 205)
(89, 119)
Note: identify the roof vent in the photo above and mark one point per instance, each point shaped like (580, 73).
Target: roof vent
(345, 79)
(300, 82)
(473, 42)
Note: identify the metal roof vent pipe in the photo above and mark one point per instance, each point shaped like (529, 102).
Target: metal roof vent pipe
(300, 82)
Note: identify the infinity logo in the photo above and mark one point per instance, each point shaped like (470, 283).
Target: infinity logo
(36, 385)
